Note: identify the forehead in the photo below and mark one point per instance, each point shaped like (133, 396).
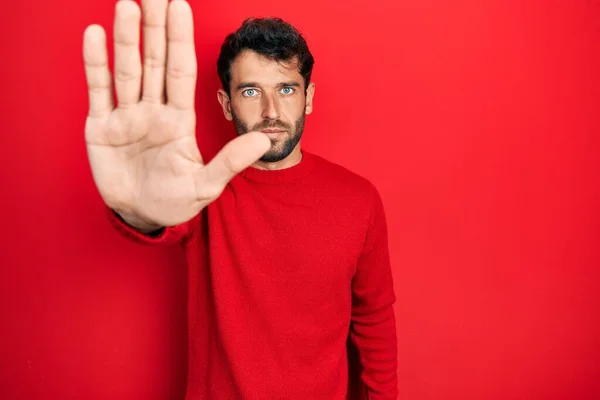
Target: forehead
(250, 66)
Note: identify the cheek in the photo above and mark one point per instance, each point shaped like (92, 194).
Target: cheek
(293, 108)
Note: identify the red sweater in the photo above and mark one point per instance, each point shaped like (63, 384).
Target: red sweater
(285, 267)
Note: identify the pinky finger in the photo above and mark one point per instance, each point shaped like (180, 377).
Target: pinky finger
(99, 81)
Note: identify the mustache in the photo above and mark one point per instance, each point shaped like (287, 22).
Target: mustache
(271, 124)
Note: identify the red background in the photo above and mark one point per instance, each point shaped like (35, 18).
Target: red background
(477, 120)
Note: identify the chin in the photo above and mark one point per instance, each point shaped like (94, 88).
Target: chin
(276, 154)
(280, 150)
(273, 157)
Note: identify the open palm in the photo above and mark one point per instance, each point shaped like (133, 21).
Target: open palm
(143, 152)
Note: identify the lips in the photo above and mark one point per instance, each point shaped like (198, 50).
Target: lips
(272, 130)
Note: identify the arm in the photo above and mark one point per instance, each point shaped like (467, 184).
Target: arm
(373, 328)
(145, 234)
(141, 144)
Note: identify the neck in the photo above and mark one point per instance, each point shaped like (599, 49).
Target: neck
(292, 159)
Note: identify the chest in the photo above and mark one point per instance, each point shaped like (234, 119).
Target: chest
(286, 242)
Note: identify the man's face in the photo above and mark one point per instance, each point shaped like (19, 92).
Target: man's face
(268, 96)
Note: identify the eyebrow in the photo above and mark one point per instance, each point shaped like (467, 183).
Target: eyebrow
(245, 85)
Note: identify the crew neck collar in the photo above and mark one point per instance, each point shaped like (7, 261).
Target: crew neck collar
(283, 175)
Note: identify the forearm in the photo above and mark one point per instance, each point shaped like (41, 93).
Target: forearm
(373, 320)
(374, 335)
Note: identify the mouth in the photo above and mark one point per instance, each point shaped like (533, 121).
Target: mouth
(272, 130)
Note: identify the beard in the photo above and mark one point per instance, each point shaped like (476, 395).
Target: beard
(280, 148)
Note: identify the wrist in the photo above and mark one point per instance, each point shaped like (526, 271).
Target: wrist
(136, 222)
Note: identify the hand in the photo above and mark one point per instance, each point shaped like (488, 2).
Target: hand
(143, 153)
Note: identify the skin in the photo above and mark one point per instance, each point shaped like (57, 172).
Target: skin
(264, 94)
(141, 143)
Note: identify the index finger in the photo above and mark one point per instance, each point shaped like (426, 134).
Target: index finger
(99, 81)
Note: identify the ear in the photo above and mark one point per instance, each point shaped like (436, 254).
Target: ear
(310, 92)
(225, 104)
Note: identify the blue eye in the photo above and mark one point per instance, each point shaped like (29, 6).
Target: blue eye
(249, 92)
(288, 90)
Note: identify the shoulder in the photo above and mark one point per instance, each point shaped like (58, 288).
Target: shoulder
(352, 196)
(340, 177)
(353, 193)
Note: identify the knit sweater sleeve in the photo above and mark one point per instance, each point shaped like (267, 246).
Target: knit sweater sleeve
(165, 236)
(373, 327)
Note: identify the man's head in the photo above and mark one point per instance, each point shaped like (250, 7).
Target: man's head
(265, 68)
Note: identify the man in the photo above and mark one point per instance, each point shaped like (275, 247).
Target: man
(287, 252)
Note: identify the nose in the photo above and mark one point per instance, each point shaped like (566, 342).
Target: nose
(270, 107)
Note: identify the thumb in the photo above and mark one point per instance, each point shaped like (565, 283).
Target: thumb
(235, 156)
